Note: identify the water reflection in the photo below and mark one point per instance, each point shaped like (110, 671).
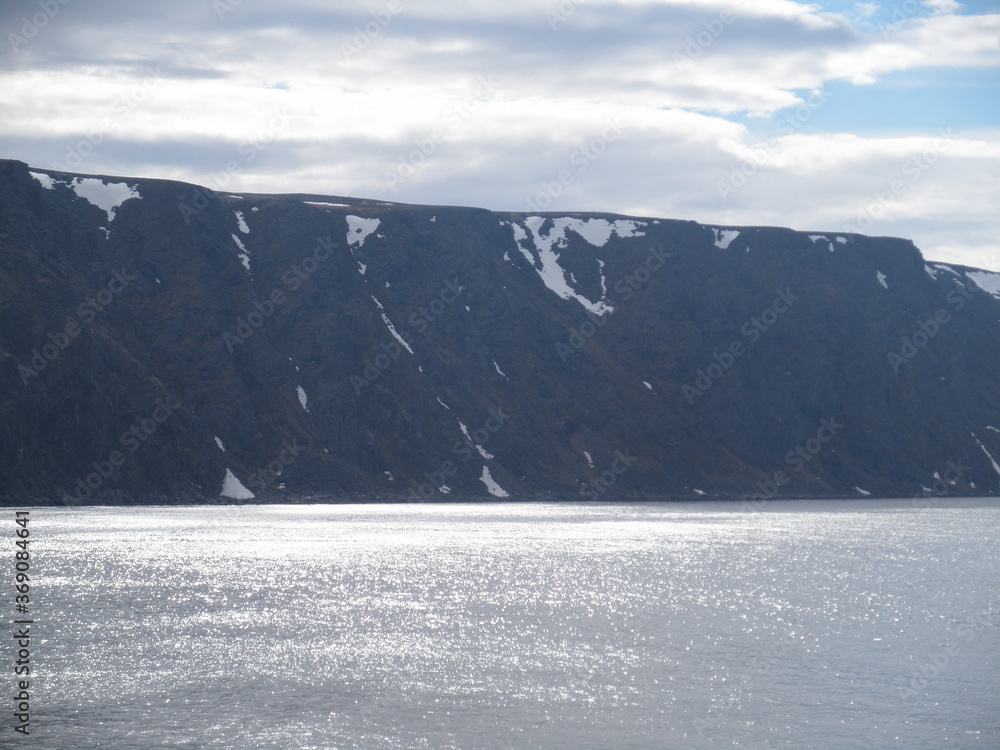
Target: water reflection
(545, 626)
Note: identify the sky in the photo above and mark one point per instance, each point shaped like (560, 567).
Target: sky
(874, 117)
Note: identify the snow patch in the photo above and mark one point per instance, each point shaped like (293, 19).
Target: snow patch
(389, 474)
(303, 398)
(391, 327)
(818, 237)
(936, 269)
(646, 383)
(106, 196)
(358, 229)
(626, 228)
(553, 275)
(392, 330)
(881, 279)
(241, 222)
(47, 182)
(598, 231)
(482, 451)
(590, 461)
(233, 487)
(948, 269)
(866, 493)
(244, 256)
(494, 489)
(499, 370)
(219, 443)
(444, 489)
(996, 467)
(362, 268)
(433, 219)
(987, 281)
(324, 204)
(519, 236)
(698, 492)
(724, 237)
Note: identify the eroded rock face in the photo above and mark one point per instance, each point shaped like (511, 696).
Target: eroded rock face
(163, 343)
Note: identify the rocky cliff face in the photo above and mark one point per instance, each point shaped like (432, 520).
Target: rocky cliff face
(163, 343)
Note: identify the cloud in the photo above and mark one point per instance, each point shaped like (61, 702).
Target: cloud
(336, 98)
(943, 6)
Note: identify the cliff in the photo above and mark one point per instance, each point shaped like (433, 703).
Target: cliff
(160, 342)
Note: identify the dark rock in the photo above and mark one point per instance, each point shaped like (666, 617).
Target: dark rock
(779, 365)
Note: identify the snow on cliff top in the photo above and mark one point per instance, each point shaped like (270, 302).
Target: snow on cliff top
(107, 196)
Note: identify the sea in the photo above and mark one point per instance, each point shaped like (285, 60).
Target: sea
(812, 624)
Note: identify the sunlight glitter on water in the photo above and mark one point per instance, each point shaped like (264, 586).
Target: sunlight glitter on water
(493, 626)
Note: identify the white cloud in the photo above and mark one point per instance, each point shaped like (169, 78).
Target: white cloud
(274, 94)
(943, 6)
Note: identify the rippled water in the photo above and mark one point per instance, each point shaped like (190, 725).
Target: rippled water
(805, 625)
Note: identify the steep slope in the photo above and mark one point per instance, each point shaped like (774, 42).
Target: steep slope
(163, 343)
